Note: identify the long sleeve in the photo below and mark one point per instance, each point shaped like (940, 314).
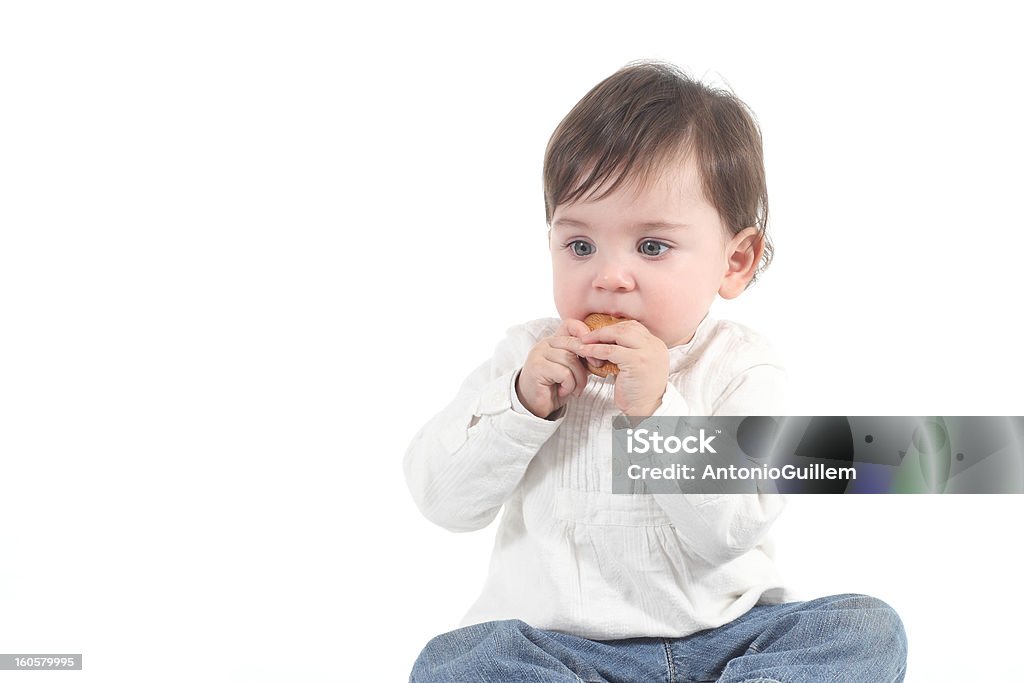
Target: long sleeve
(721, 527)
(467, 460)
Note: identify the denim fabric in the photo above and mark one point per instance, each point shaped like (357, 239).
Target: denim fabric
(837, 638)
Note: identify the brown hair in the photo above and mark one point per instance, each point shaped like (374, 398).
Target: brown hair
(631, 125)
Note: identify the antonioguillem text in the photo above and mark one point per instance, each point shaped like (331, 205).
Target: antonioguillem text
(815, 471)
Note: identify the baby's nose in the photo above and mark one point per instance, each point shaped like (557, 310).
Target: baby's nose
(613, 276)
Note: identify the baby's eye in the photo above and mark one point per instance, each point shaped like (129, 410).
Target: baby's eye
(653, 248)
(581, 248)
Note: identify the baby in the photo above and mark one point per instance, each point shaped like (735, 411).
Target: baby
(656, 200)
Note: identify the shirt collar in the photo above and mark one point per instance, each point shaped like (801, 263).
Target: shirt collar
(680, 356)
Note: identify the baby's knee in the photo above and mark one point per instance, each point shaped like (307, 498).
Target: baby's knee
(878, 625)
(878, 614)
(465, 643)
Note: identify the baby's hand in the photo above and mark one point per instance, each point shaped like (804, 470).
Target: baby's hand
(643, 364)
(552, 371)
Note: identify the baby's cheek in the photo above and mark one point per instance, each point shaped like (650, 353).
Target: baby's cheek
(569, 308)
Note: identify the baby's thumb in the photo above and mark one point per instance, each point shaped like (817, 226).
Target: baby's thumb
(573, 328)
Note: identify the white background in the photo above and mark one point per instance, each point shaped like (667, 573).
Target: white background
(247, 249)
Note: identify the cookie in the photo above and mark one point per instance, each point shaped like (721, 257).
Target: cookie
(596, 321)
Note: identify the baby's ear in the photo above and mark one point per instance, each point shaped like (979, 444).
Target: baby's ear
(743, 254)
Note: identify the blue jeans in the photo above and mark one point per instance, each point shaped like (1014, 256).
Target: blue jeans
(837, 638)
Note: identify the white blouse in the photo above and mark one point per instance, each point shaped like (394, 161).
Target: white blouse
(571, 556)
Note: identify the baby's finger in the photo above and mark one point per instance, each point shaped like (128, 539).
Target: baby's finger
(568, 358)
(609, 352)
(566, 343)
(581, 350)
(580, 374)
(570, 327)
(629, 334)
(573, 345)
(575, 328)
(561, 375)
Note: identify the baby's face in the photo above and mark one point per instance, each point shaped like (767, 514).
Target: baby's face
(657, 255)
